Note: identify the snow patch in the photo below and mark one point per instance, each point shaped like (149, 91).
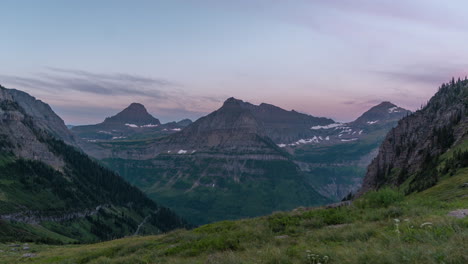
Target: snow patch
(372, 122)
(131, 125)
(327, 126)
(347, 140)
(302, 141)
(360, 132)
(114, 138)
(150, 125)
(182, 151)
(327, 138)
(176, 129)
(105, 132)
(393, 110)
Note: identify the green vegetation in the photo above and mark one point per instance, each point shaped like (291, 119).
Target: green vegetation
(440, 145)
(202, 195)
(380, 227)
(81, 202)
(37, 190)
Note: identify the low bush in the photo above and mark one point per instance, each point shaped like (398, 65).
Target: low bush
(381, 198)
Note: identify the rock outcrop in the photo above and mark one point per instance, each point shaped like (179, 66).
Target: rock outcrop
(410, 149)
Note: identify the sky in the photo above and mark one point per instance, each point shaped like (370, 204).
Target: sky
(90, 59)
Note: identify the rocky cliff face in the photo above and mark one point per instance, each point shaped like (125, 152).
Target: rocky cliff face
(407, 154)
(19, 133)
(43, 115)
(44, 180)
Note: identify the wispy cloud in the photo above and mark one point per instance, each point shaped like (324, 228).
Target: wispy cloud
(92, 96)
(56, 79)
(114, 77)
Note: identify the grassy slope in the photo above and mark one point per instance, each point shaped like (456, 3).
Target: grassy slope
(363, 233)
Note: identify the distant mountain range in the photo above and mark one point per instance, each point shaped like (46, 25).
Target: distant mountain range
(133, 121)
(425, 157)
(244, 160)
(52, 192)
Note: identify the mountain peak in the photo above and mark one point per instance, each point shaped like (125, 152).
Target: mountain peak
(385, 104)
(381, 113)
(136, 114)
(136, 106)
(231, 101)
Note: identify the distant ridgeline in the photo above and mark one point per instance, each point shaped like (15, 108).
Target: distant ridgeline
(242, 160)
(52, 192)
(426, 145)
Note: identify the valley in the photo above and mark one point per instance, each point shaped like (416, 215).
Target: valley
(240, 162)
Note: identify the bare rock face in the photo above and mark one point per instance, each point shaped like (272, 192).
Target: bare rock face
(20, 135)
(43, 115)
(411, 147)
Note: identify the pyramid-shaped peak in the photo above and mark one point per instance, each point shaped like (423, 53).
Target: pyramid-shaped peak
(386, 104)
(137, 106)
(134, 114)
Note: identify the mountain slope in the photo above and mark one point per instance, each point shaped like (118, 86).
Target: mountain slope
(335, 158)
(43, 115)
(409, 155)
(49, 191)
(223, 166)
(380, 227)
(284, 126)
(203, 170)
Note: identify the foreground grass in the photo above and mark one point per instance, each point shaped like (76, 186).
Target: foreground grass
(382, 227)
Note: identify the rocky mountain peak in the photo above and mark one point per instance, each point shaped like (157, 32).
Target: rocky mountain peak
(136, 114)
(136, 107)
(233, 103)
(381, 113)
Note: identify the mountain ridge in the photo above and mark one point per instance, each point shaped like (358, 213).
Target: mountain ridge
(51, 191)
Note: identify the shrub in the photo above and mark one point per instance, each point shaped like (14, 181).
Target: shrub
(381, 198)
(281, 221)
